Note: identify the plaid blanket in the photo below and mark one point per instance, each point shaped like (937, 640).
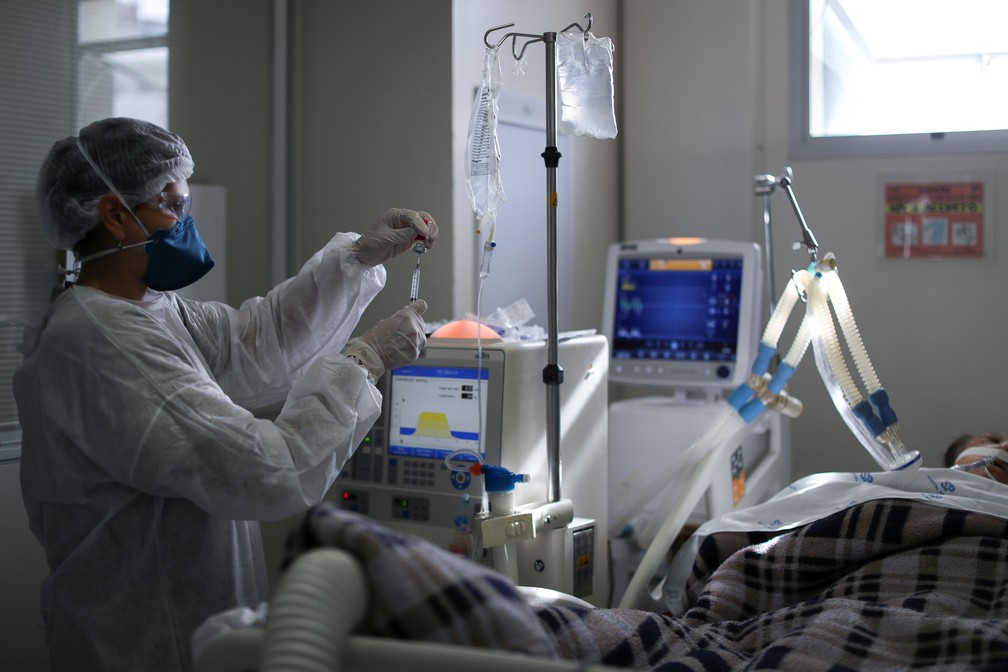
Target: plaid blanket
(888, 584)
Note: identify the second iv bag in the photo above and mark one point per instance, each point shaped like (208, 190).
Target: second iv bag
(585, 78)
(482, 148)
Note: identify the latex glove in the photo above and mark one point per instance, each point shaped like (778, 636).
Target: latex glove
(395, 232)
(395, 341)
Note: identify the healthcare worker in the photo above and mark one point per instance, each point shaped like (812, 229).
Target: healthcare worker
(143, 465)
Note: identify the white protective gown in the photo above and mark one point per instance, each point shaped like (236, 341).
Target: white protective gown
(142, 469)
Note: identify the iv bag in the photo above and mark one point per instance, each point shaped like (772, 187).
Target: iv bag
(483, 179)
(585, 74)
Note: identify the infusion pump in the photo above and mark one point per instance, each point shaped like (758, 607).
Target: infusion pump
(489, 397)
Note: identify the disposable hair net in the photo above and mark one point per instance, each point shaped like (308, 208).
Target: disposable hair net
(139, 157)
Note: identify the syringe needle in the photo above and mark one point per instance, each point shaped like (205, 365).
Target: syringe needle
(420, 249)
(415, 284)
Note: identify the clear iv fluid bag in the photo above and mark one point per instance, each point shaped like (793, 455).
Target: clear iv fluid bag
(483, 180)
(585, 78)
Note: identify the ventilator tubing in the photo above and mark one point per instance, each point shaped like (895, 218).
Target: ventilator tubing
(785, 304)
(688, 482)
(745, 404)
(762, 391)
(303, 631)
(871, 420)
(636, 519)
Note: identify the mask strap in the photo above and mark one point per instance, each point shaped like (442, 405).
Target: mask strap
(996, 452)
(112, 188)
(103, 253)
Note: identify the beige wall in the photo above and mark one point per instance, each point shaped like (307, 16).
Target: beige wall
(219, 76)
(372, 120)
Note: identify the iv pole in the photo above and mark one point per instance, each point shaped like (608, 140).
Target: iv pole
(552, 373)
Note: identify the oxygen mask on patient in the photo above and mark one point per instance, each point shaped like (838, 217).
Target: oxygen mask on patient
(987, 459)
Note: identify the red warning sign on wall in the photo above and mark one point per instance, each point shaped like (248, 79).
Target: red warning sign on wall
(934, 219)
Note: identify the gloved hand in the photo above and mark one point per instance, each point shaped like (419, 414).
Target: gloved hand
(395, 341)
(394, 233)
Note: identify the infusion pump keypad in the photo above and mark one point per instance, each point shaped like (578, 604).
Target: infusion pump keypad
(403, 488)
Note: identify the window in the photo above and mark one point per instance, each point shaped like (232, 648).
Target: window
(65, 64)
(900, 76)
(122, 67)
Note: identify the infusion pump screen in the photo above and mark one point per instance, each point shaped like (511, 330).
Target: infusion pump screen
(677, 309)
(433, 410)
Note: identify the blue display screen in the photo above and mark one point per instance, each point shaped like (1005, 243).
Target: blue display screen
(433, 410)
(677, 309)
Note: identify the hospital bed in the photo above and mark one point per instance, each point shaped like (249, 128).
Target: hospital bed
(904, 577)
(325, 598)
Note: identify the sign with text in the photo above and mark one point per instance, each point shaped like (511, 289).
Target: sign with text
(934, 219)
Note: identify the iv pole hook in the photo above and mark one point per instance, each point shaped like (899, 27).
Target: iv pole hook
(578, 25)
(486, 36)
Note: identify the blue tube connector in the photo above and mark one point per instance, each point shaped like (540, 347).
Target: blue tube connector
(764, 356)
(752, 410)
(880, 400)
(780, 378)
(866, 415)
(744, 392)
(740, 396)
(498, 479)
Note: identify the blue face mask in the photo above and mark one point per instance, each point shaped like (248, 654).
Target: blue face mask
(176, 257)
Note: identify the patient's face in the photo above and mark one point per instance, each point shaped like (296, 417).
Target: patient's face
(998, 470)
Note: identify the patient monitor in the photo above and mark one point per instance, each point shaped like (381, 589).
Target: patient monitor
(490, 396)
(683, 318)
(682, 313)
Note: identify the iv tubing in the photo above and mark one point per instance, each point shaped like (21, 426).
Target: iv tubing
(485, 501)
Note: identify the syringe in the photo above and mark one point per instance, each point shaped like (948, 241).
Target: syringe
(420, 249)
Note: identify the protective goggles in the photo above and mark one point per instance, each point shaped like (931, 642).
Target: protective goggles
(177, 205)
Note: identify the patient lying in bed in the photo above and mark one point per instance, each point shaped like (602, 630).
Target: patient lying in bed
(863, 571)
(969, 450)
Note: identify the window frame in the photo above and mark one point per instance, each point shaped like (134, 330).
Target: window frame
(802, 145)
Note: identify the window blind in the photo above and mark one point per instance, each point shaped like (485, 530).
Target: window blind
(37, 66)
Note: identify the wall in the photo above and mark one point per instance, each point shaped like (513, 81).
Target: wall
(372, 119)
(24, 568)
(706, 110)
(219, 77)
